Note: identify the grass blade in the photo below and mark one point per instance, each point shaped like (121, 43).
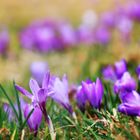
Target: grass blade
(10, 101)
(19, 106)
(24, 123)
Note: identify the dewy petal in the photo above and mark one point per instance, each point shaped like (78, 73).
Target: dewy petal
(34, 86)
(23, 91)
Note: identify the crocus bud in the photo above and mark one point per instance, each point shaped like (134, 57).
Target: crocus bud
(94, 92)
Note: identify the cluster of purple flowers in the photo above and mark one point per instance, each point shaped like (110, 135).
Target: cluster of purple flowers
(88, 93)
(53, 87)
(124, 85)
(48, 36)
(51, 35)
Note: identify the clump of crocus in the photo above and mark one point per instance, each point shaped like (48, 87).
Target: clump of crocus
(125, 84)
(91, 92)
(38, 70)
(130, 104)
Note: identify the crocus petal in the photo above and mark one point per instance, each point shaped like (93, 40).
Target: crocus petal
(126, 83)
(120, 68)
(35, 118)
(129, 109)
(81, 98)
(46, 80)
(42, 96)
(34, 86)
(98, 92)
(23, 91)
(89, 89)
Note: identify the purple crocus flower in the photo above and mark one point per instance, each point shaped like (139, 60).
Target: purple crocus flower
(38, 70)
(138, 71)
(130, 104)
(126, 83)
(120, 68)
(4, 41)
(35, 118)
(94, 92)
(39, 95)
(61, 90)
(109, 73)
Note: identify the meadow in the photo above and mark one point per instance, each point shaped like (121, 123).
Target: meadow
(70, 70)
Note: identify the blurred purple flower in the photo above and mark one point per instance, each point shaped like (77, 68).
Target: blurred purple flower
(109, 73)
(94, 92)
(124, 26)
(130, 104)
(38, 70)
(133, 11)
(102, 36)
(4, 41)
(67, 34)
(126, 83)
(120, 68)
(61, 89)
(108, 19)
(8, 109)
(85, 35)
(138, 71)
